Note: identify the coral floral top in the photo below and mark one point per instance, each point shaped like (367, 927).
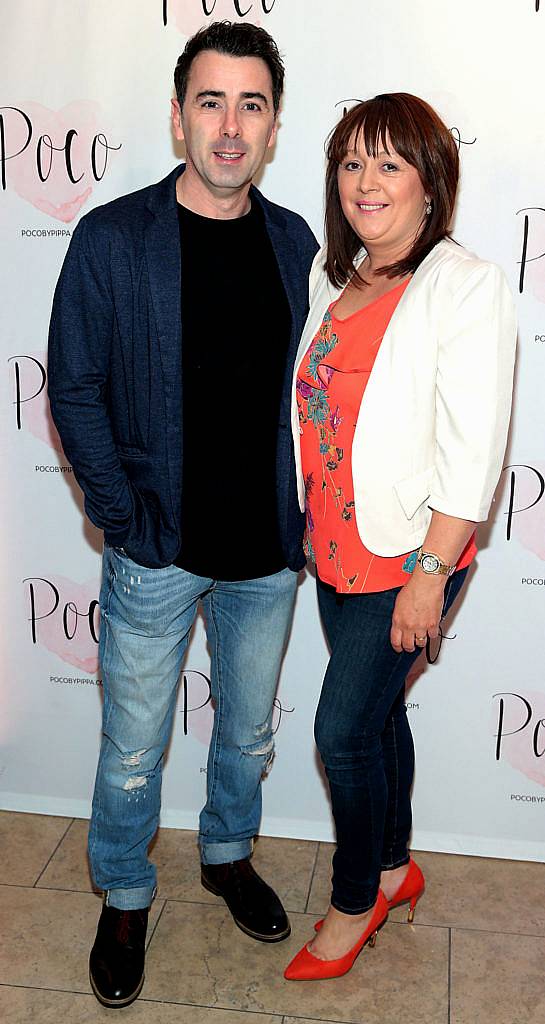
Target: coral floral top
(330, 386)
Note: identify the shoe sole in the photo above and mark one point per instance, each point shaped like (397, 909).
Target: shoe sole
(247, 931)
(114, 1004)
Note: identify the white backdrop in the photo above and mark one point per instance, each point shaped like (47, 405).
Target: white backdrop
(104, 71)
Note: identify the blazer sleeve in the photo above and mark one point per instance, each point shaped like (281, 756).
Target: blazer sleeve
(78, 364)
(475, 364)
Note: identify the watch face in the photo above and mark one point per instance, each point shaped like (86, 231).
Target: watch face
(430, 563)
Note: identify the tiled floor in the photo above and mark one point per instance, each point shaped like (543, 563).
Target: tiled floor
(475, 955)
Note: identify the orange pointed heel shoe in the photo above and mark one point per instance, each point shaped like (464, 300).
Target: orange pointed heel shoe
(409, 891)
(307, 967)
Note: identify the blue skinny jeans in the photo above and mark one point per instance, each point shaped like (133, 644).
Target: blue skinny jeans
(365, 741)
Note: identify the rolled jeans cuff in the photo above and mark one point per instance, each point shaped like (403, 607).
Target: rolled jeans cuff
(395, 862)
(130, 899)
(354, 911)
(224, 853)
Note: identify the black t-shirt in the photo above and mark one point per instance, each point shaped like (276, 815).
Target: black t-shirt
(236, 324)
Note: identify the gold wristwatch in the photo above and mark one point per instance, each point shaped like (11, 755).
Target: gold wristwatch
(432, 564)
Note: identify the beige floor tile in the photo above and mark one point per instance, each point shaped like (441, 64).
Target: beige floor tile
(35, 1006)
(286, 863)
(482, 893)
(176, 855)
(462, 892)
(174, 852)
(320, 892)
(27, 841)
(204, 959)
(46, 937)
(69, 867)
(497, 979)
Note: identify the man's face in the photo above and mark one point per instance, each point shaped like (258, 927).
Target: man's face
(227, 121)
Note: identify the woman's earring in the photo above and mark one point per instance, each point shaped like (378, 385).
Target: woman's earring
(428, 208)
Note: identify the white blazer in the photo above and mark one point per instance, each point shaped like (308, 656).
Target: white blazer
(432, 427)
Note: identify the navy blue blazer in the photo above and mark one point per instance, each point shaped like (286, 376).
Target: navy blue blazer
(115, 368)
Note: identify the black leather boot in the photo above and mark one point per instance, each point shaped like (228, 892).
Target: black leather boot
(116, 964)
(256, 909)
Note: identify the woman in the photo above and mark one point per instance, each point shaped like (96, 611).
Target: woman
(393, 481)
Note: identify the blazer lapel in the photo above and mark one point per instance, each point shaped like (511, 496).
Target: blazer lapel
(286, 257)
(162, 242)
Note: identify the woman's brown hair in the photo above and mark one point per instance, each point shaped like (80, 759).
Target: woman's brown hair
(419, 135)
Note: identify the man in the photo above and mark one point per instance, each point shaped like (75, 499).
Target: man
(175, 325)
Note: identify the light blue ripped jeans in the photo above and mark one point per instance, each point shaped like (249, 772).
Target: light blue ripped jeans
(146, 618)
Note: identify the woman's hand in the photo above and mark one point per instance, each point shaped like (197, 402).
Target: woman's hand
(417, 611)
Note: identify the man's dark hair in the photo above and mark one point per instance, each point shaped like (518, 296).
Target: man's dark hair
(234, 39)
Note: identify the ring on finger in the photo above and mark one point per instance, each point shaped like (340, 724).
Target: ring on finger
(421, 639)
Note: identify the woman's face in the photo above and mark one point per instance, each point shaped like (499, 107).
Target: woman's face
(382, 199)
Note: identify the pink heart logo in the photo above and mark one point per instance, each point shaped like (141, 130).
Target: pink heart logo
(523, 733)
(534, 277)
(64, 618)
(30, 401)
(528, 521)
(195, 706)
(43, 143)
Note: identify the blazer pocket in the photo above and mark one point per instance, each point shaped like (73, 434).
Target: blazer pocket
(413, 491)
(128, 454)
